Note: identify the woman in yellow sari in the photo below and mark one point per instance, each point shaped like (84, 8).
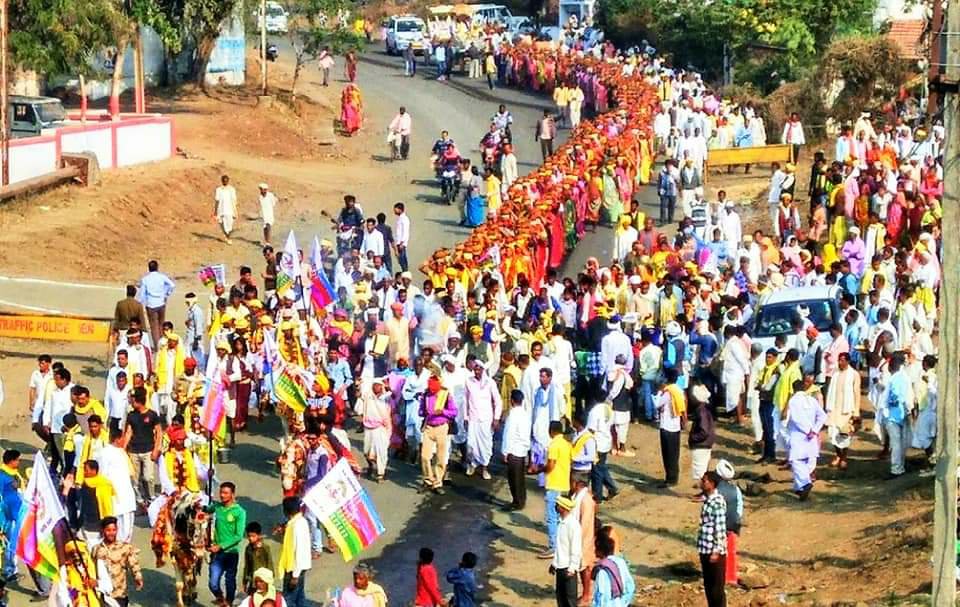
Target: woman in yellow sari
(829, 256)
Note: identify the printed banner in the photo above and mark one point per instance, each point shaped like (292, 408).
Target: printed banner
(345, 510)
(213, 275)
(60, 328)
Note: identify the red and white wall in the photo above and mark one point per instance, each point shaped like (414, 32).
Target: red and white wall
(134, 139)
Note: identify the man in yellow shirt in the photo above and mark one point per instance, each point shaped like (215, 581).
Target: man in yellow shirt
(557, 482)
(492, 183)
(561, 97)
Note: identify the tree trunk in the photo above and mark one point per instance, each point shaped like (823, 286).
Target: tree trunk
(117, 78)
(204, 50)
(296, 77)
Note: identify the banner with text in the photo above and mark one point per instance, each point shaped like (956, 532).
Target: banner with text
(60, 328)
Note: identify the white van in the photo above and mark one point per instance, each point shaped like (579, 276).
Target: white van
(277, 18)
(496, 13)
(404, 31)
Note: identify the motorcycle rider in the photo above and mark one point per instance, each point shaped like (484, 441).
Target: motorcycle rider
(448, 168)
(490, 146)
(350, 219)
(503, 119)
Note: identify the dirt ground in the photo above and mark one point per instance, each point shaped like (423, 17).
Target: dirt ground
(857, 539)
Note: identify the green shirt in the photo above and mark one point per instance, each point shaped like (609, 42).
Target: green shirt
(229, 525)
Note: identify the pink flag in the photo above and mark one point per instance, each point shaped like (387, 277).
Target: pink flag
(214, 410)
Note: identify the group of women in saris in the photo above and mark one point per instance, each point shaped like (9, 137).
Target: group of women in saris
(589, 179)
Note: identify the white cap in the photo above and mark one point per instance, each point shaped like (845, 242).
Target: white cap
(725, 470)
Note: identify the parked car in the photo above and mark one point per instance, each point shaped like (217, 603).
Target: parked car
(777, 312)
(403, 31)
(29, 116)
(277, 18)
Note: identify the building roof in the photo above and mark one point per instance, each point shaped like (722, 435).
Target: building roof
(907, 34)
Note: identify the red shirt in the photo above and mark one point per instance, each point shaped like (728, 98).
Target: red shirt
(428, 590)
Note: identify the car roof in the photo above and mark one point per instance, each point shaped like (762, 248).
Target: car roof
(29, 99)
(797, 294)
(406, 18)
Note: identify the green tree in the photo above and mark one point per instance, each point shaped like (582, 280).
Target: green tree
(202, 20)
(318, 24)
(61, 36)
(698, 33)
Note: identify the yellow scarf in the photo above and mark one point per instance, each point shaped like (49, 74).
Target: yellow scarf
(162, 370)
(677, 400)
(68, 436)
(374, 591)
(189, 470)
(288, 558)
(784, 388)
(93, 406)
(581, 442)
(14, 473)
(768, 371)
(103, 492)
(85, 454)
(75, 578)
(441, 402)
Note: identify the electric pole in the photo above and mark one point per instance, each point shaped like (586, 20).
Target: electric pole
(263, 47)
(948, 367)
(4, 94)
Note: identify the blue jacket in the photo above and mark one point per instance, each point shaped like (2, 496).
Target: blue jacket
(464, 587)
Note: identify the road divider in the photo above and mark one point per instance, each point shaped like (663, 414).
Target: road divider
(55, 327)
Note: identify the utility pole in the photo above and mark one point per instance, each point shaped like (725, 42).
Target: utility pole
(4, 95)
(948, 378)
(263, 47)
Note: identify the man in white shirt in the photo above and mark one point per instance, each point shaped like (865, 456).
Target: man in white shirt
(268, 202)
(57, 405)
(37, 388)
(225, 209)
(567, 558)
(515, 445)
(561, 353)
(613, 344)
(773, 197)
(401, 126)
(672, 418)
(296, 542)
(401, 234)
(117, 400)
(483, 411)
(736, 367)
(115, 467)
(600, 422)
(372, 240)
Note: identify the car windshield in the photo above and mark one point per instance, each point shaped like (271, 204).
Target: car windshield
(408, 26)
(51, 112)
(274, 11)
(777, 319)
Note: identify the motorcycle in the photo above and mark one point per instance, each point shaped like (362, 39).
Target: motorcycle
(449, 183)
(273, 51)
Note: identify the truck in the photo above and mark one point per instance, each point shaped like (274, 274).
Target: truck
(29, 116)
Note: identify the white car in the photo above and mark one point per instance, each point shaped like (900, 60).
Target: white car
(777, 312)
(277, 18)
(405, 31)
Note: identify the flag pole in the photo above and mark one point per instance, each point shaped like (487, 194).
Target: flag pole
(83, 562)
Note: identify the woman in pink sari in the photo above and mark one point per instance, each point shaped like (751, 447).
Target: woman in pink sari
(351, 109)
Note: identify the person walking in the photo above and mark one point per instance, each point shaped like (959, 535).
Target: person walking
(326, 62)
(545, 134)
(401, 234)
(733, 499)
(400, 127)
(712, 540)
(557, 484)
(120, 557)
(295, 555)
(438, 410)
(155, 289)
(515, 446)
(793, 135)
(672, 410)
(409, 61)
(268, 202)
(667, 189)
(127, 309)
(568, 555)
(229, 527)
(484, 408)
(225, 207)
(142, 438)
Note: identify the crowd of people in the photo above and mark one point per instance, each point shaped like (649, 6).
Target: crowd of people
(499, 363)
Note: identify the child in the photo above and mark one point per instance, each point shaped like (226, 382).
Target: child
(428, 589)
(255, 556)
(464, 581)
